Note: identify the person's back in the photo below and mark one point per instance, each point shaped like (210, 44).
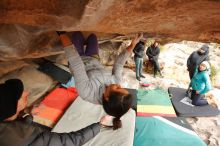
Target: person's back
(196, 58)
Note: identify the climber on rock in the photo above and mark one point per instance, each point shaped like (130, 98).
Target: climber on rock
(93, 82)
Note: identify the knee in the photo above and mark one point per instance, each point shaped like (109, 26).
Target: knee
(194, 102)
(198, 102)
(92, 37)
(77, 34)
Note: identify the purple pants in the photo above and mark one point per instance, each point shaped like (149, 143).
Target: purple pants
(91, 44)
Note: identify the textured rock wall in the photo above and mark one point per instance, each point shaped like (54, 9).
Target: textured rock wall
(27, 26)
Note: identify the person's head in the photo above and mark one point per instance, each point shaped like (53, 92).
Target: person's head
(204, 50)
(13, 99)
(156, 43)
(143, 40)
(116, 102)
(204, 66)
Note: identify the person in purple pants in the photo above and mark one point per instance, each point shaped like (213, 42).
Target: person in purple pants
(95, 83)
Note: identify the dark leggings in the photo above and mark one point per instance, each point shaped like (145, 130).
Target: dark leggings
(91, 44)
(198, 99)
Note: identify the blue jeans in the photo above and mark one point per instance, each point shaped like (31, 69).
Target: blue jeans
(139, 63)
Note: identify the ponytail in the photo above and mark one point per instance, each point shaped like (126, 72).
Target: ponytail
(117, 123)
(116, 106)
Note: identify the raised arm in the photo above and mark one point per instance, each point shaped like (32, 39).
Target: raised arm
(77, 138)
(77, 67)
(121, 59)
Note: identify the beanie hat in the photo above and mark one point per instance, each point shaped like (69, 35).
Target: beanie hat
(10, 93)
(206, 64)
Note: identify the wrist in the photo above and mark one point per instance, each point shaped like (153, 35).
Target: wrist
(65, 40)
(60, 32)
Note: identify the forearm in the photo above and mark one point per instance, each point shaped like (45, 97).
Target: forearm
(130, 47)
(119, 63)
(76, 64)
(77, 68)
(77, 138)
(149, 54)
(84, 135)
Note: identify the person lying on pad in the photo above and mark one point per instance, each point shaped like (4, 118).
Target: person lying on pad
(93, 82)
(200, 84)
(17, 132)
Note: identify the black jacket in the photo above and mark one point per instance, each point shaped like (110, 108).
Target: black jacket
(196, 59)
(153, 52)
(19, 133)
(139, 50)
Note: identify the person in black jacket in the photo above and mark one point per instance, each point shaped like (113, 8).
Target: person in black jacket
(14, 132)
(196, 58)
(153, 52)
(138, 58)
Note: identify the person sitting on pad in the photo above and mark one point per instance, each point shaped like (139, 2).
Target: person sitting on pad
(93, 82)
(16, 131)
(200, 84)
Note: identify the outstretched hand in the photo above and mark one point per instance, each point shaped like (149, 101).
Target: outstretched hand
(137, 38)
(134, 41)
(64, 38)
(105, 120)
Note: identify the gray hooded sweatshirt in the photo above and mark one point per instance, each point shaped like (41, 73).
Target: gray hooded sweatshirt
(91, 77)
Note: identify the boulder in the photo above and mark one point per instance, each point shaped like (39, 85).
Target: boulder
(28, 26)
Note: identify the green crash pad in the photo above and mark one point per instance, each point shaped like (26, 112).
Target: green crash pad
(158, 131)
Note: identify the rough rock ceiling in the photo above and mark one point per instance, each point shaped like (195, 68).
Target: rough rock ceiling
(27, 26)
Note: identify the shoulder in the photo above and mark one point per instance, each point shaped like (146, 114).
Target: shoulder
(205, 74)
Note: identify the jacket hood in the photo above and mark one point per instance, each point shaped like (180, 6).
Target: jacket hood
(206, 49)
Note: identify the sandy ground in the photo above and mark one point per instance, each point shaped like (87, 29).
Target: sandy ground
(175, 74)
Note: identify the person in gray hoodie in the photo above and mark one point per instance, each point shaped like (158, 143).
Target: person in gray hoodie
(94, 83)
